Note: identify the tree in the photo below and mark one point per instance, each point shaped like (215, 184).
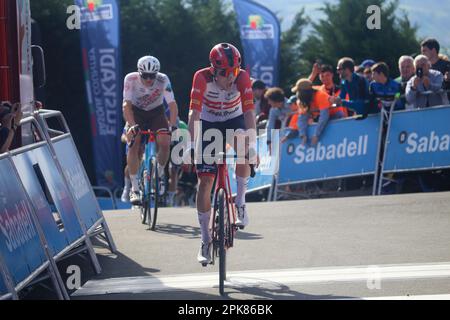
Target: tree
(344, 32)
(179, 32)
(65, 88)
(290, 52)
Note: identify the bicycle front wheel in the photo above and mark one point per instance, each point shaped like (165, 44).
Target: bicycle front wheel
(153, 194)
(223, 216)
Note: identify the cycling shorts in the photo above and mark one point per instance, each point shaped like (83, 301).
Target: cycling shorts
(153, 120)
(232, 124)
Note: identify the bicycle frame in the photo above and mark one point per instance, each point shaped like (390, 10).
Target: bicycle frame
(223, 182)
(149, 152)
(150, 146)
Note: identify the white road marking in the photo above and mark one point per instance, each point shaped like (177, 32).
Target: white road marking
(152, 284)
(409, 297)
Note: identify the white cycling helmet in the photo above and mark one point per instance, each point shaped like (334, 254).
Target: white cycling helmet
(148, 64)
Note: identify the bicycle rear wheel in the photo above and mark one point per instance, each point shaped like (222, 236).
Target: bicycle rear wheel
(153, 194)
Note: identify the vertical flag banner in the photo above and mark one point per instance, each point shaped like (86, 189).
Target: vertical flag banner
(260, 36)
(100, 45)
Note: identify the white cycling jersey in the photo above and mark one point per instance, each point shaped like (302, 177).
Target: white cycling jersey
(147, 98)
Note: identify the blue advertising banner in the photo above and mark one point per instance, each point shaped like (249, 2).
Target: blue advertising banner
(346, 148)
(40, 159)
(81, 189)
(260, 37)
(418, 139)
(100, 45)
(57, 236)
(268, 167)
(20, 245)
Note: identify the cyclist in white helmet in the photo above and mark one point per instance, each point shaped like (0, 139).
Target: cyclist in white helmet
(143, 109)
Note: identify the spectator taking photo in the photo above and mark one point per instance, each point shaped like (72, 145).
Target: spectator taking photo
(10, 116)
(425, 88)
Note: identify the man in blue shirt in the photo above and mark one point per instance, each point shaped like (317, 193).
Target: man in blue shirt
(383, 89)
(353, 85)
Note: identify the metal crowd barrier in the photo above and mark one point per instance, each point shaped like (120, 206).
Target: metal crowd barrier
(33, 238)
(106, 200)
(385, 143)
(64, 149)
(347, 148)
(416, 140)
(26, 254)
(7, 290)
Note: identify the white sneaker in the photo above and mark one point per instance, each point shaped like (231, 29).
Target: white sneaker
(125, 195)
(204, 253)
(241, 217)
(135, 198)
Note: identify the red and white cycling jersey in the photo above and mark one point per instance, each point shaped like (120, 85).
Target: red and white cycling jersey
(216, 104)
(147, 98)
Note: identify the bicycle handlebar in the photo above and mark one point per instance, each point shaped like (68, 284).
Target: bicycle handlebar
(222, 155)
(148, 133)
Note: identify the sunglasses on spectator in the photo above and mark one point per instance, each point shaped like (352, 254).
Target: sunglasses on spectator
(148, 76)
(226, 72)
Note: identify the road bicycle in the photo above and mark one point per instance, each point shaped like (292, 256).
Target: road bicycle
(223, 229)
(149, 180)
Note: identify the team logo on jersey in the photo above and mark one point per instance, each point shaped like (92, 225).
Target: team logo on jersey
(257, 29)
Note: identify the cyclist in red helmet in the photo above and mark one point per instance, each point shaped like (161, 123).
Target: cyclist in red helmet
(221, 98)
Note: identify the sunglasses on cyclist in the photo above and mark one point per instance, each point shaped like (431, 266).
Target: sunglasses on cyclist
(227, 72)
(148, 76)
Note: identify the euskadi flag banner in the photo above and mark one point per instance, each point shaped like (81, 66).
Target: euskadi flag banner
(100, 45)
(260, 37)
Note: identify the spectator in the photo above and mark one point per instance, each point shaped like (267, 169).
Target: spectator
(313, 106)
(326, 75)
(354, 88)
(367, 64)
(292, 121)
(368, 75)
(366, 67)
(10, 116)
(262, 107)
(383, 88)
(425, 88)
(279, 110)
(360, 71)
(430, 48)
(407, 71)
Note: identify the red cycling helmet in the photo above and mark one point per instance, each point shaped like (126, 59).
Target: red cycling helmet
(225, 59)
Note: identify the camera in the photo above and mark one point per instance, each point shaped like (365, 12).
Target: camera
(419, 73)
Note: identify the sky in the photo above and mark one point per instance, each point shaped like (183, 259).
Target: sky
(431, 16)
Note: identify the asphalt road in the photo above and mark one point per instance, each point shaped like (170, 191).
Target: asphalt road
(347, 248)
